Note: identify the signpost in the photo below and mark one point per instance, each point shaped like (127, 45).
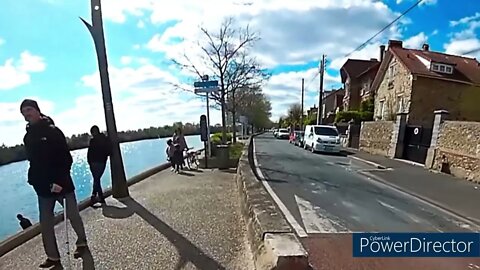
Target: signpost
(206, 87)
(204, 135)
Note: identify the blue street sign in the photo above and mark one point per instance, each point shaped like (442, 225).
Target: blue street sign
(206, 84)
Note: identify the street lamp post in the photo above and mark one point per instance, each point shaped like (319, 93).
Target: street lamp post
(119, 180)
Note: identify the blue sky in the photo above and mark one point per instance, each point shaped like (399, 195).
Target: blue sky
(46, 52)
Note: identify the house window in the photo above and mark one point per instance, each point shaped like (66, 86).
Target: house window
(400, 104)
(442, 68)
(382, 109)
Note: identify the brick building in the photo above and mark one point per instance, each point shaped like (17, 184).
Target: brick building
(357, 78)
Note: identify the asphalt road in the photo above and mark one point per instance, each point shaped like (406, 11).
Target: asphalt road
(328, 194)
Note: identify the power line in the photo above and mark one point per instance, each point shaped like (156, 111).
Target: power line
(386, 27)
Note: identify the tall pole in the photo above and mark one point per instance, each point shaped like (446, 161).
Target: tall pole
(303, 93)
(319, 109)
(209, 150)
(119, 180)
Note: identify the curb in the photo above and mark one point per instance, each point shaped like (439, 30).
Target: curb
(378, 166)
(18, 239)
(273, 242)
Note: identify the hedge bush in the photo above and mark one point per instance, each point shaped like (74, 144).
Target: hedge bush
(356, 116)
(216, 138)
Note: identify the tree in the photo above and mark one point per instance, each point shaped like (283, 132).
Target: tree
(294, 115)
(227, 57)
(253, 104)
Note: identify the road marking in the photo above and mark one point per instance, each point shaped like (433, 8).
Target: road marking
(378, 166)
(383, 183)
(313, 221)
(295, 225)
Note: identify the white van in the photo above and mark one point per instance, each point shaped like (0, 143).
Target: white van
(322, 138)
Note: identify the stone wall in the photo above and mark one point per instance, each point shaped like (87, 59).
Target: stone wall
(459, 146)
(376, 137)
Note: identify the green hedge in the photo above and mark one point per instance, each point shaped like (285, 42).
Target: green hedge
(356, 116)
(216, 138)
(235, 150)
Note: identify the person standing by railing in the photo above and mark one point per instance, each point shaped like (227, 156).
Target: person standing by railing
(49, 173)
(98, 151)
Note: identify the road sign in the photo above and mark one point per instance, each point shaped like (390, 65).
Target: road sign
(206, 84)
(206, 90)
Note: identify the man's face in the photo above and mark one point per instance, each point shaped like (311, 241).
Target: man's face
(30, 114)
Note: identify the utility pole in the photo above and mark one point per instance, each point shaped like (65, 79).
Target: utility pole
(320, 96)
(303, 92)
(119, 180)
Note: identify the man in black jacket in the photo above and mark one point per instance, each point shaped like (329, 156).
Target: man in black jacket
(98, 152)
(49, 174)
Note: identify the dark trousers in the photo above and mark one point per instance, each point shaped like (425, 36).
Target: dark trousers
(97, 170)
(46, 207)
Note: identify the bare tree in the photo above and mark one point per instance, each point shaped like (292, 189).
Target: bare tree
(294, 115)
(228, 59)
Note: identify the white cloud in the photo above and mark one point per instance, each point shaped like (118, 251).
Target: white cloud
(463, 47)
(299, 23)
(2, 41)
(14, 73)
(416, 42)
(284, 89)
(141, 24)
(465, 20)
(126, 60)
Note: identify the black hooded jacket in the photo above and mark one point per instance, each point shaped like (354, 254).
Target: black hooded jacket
(49, 156)
(99, 149)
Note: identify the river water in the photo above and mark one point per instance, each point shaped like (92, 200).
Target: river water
(18, 197)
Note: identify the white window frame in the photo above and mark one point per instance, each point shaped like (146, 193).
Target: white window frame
(400, 103)
(382, 108)
(437, 67)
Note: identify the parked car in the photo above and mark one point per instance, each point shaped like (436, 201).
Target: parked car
(283, 133)
(322, 138)
(298, 140)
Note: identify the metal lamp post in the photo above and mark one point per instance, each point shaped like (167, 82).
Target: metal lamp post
(119, 180)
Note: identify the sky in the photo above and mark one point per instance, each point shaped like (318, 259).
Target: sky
(47, 54)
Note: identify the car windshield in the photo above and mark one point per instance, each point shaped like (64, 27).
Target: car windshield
(283, 130)
(325, 131)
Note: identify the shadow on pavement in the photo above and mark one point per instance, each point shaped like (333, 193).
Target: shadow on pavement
(111, 211)
(87, 260)
(187, 250)
(186, 174)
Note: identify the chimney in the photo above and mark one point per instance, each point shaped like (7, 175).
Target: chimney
(382, 52)
(425, 47)
(395, 43)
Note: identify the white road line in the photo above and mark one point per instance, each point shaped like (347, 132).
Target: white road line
(314, 221)
(295, 225)
(379, 166)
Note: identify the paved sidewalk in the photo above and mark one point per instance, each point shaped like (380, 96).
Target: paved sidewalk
(189, 221)
(455, 194)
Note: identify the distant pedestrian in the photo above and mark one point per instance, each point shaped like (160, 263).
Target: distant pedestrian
(179, 138)
(99, 150)
(177, 158)
(24, 222)
(170, 152)
(49, 174)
